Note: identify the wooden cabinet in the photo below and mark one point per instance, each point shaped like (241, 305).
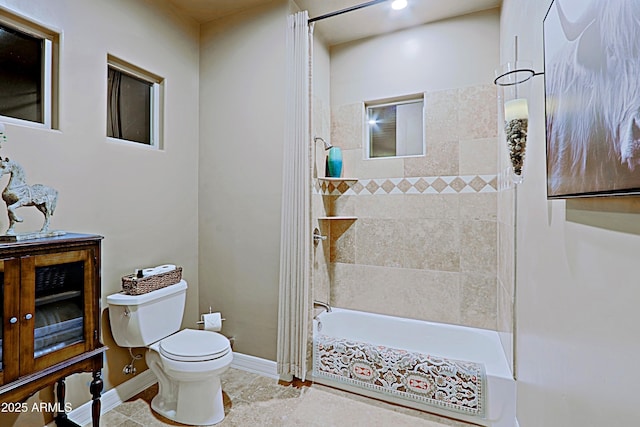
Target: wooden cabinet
(50, 306)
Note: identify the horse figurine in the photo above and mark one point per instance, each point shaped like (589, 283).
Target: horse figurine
(18, 193)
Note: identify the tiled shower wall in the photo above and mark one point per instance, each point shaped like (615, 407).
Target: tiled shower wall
(424, 244)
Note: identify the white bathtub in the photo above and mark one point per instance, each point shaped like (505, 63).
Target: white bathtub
(494, 397)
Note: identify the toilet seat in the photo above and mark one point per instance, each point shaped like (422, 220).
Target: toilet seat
(191, 345)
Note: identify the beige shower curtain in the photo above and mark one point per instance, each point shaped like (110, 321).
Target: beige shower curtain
(293, 309)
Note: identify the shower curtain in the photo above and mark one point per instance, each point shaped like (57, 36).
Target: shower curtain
(294, 306)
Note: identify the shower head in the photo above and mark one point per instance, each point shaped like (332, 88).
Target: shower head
(327, 145)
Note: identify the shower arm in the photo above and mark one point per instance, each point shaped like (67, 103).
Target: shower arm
(327, 145)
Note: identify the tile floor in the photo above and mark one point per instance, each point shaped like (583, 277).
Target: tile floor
(254, 400)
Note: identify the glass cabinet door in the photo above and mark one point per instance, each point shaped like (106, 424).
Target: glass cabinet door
(9, 308)
(58, 317)
(1, 313)
(53, 308)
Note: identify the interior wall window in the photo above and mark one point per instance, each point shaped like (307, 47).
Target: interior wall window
(28, 53)
(133, 104)
(395, 129)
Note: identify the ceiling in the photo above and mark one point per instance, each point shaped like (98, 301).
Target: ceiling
(365, 22)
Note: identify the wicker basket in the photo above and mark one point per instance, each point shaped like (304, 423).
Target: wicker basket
(133, 285)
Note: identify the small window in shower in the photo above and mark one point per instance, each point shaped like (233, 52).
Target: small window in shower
(133, 104)
(395, 128)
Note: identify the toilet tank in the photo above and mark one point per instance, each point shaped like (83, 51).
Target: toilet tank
(141, 320)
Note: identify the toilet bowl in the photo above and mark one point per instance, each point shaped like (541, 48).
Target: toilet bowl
(188, 363)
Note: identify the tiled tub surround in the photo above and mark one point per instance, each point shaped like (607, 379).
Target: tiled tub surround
(429, 257)
(423, 245)
(460, 132)
(455, 371)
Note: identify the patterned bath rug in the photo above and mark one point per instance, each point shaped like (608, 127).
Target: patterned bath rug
(450, 384)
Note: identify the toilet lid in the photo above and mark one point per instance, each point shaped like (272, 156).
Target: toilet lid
(191, 345)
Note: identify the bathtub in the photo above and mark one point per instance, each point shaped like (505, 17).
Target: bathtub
(453, 371)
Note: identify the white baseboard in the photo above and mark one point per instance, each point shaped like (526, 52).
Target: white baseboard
(125, 391)
(256, 365)
(114, 397)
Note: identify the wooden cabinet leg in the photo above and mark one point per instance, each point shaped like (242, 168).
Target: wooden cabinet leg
(96, 390)
(60, 394)
(61, 418)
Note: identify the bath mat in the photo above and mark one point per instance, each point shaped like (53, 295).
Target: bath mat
(450, 384)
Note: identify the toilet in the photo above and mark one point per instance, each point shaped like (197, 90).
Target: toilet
(188, 363)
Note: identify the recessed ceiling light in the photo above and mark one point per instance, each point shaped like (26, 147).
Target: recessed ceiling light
(399, 4)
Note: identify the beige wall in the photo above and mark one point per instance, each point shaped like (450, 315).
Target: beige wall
(242, 119)
(447, 54)
(577, 314)
(142, 201)
(424, 241)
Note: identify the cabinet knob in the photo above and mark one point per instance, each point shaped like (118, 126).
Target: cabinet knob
(28, 316)
(13, 320)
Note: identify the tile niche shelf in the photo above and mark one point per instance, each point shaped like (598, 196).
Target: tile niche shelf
(325, 178)
(338, 217)
(336, 182)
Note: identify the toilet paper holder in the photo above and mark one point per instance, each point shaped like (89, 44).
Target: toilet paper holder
(201, 322)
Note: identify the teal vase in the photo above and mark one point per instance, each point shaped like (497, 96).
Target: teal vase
(334, 163)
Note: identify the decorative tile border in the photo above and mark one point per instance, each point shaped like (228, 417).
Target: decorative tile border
(409, 185)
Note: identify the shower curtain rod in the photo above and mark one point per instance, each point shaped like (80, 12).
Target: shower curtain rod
(348, 9)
